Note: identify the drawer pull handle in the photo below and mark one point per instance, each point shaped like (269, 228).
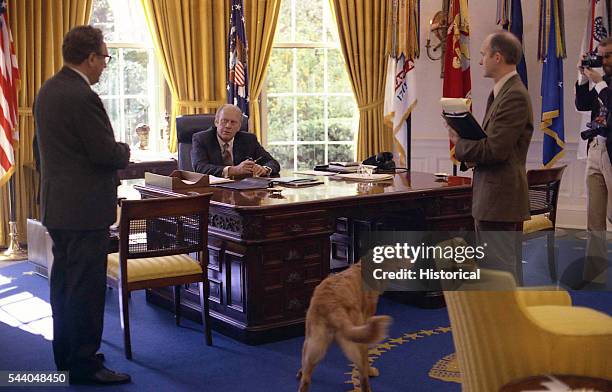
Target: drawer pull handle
(293, 255)
(295, 228)
(294, 277)
(294, 304)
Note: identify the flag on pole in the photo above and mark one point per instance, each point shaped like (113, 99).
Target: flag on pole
(9, 81)
(400, 92)
(551, 51)
(510, 16)
(237, 78)
(597, 28)
(457, 83)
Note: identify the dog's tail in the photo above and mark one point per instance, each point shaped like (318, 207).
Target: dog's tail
(373, 331)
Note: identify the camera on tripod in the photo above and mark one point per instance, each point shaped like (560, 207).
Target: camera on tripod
(592, 60)
(594, 129)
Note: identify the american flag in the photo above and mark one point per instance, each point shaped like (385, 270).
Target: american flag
(9, 80)
(237, 78)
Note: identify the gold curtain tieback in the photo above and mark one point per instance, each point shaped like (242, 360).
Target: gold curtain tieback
(371, 105)
(25, 111)
(200, 104)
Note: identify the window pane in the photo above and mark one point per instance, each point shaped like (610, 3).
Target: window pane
(283, 26)
(331, 29)
(310, 70)
(310, 119)
(341, 111)
(310, 155)
(103, 18)
(121, 21)
(109, 80)
(309, 20)
(136, 112)
(341, 153)
(135, 62)
(284, 156)
(279, 77)
(280, 119)
(112, 108)
(337, 75)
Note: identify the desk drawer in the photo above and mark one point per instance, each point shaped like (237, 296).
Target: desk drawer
(296, 224)
(451, 205)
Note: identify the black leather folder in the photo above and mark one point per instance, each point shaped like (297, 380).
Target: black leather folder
(465, 124)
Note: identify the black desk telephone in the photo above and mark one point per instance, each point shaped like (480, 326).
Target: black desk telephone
(383, 161)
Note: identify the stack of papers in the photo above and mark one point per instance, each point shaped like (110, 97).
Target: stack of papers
(456, 112)
(213, 180)
(455, 105)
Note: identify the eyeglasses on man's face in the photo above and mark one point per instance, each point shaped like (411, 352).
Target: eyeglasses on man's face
(107, 58)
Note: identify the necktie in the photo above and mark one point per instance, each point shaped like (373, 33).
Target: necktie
(490, 100)
(226, 155)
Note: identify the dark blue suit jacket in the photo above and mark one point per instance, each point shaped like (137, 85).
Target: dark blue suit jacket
(206, 152)
(79, 155)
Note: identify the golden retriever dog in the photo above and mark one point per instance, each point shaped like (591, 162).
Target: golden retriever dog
(341, 310)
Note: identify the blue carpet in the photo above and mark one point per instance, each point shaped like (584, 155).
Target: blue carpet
(167, 357)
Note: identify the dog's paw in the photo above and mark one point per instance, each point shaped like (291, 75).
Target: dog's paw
(373, 372)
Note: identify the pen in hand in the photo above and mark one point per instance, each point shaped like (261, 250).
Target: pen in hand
(256, 160)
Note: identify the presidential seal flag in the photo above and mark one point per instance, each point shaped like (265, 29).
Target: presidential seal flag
(9, 81)
(551, 51)
(237, 78)
(400, 90)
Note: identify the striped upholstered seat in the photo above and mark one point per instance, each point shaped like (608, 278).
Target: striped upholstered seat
(156, 237)
(154, 267)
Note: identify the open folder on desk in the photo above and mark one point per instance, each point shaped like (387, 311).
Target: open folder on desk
(265, 182)
(246, 184)
(457, 115)
(296, 182)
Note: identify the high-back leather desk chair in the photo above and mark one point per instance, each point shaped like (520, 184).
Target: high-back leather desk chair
(186, 127)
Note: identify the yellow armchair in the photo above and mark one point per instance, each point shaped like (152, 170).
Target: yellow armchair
(501, 336)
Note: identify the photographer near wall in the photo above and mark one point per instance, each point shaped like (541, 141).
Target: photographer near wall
(597, 97)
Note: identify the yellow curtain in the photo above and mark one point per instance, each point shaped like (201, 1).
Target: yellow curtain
(363, 29)
(38, 28)
(261, 17)
(190, 43)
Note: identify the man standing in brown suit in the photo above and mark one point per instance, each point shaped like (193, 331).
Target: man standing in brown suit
(500, 191)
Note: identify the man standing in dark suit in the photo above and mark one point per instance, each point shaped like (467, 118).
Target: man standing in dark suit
(222, 151)
(79, 158)
(598, 100)
(500, 190)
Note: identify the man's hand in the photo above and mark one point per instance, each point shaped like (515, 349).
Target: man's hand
(579, 66)
(592, 75)
(259, 171)
(245, 167)
(453, 135)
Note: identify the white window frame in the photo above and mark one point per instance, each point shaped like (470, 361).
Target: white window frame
(156, 98)
(296, 95)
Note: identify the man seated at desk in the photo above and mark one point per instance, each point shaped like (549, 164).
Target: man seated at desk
(222, 151)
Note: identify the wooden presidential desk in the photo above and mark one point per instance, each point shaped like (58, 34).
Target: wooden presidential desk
(268, 252)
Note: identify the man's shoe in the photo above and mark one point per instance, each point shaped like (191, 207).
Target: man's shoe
(103, 376)
(100, 357)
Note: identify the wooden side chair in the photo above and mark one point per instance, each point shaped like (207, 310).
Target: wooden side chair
(544, 187)
(155, 238)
